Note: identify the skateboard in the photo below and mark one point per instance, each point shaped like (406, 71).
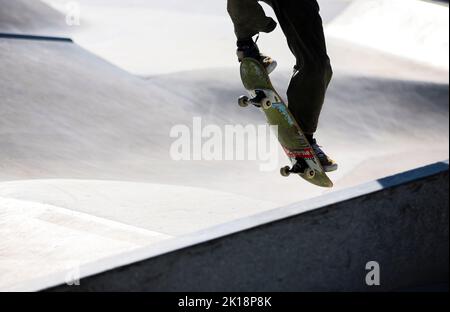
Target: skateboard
(262, 94)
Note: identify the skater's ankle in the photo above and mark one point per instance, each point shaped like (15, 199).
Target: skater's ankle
(310, 138)
(247, 48)
(248, 42)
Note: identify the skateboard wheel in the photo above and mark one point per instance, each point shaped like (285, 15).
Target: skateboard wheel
(243, 101)
(266, 103)
(285, 171)
(310, 174)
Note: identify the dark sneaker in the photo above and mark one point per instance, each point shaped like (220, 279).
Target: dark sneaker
(248, 48)
(327, 163)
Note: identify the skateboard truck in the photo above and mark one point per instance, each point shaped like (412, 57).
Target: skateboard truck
(259, 100)
(300, 167)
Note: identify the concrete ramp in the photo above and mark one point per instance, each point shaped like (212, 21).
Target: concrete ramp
(39, 239)
(31, 17)
(413, 29)
(324, 244)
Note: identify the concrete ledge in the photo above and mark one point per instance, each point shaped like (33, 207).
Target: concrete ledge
(402, 224)
(35, 38)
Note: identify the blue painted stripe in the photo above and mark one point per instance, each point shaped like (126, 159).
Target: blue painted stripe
(416, 174)
(32, 37)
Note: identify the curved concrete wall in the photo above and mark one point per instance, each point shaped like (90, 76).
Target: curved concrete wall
(412, 29)
(403, 225)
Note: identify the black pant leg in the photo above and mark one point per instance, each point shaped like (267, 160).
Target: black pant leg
(302, 25)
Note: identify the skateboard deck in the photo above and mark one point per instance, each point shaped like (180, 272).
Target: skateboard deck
(262, 94)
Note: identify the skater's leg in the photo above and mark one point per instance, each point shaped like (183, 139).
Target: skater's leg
(249, 18)
(302, 25)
